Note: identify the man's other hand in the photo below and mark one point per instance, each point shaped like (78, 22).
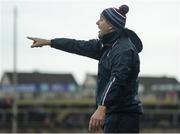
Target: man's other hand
(97, 119)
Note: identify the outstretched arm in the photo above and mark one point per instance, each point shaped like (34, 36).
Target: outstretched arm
(89, 48)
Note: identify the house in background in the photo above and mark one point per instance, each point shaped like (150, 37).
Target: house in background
(151, 89)
(151, 84)
(155, 88)
(89, 85)
(165, 89)
(39, 82)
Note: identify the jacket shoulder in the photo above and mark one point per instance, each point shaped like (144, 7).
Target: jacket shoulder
(122, 45)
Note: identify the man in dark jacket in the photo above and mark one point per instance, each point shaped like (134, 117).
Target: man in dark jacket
(118, 105)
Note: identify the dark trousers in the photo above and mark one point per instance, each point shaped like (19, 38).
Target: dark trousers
(121, 123)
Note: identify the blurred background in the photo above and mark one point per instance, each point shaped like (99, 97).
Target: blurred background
(47, 90)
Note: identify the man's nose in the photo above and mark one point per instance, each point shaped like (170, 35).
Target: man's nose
(97, 23)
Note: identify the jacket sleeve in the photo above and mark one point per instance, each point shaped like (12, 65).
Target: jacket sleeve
(120, 70)
(89, 48)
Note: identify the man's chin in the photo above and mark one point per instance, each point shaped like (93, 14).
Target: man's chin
(100, 36)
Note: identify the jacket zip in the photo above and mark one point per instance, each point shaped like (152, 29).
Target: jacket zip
(111, 48)
(108, 90)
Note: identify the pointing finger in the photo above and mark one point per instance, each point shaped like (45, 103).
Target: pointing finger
(31, 38)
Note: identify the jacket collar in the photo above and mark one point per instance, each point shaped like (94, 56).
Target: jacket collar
(110, 38)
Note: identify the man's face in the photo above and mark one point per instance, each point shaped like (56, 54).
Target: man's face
(103, 26)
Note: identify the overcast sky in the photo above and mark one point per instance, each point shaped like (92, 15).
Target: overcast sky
(157, 22)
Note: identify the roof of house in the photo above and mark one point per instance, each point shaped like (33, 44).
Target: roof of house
(157, 80)
(36, 77)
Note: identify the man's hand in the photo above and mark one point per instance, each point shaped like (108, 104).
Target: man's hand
(97, 119)
(38, 42)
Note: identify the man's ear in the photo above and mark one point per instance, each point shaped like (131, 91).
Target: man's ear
(110, 28)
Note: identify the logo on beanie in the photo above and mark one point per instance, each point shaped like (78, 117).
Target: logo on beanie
(116, 17)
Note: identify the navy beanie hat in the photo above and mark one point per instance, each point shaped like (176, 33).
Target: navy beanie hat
(116, 17)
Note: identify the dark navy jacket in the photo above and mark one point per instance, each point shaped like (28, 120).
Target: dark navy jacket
(118, 68)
